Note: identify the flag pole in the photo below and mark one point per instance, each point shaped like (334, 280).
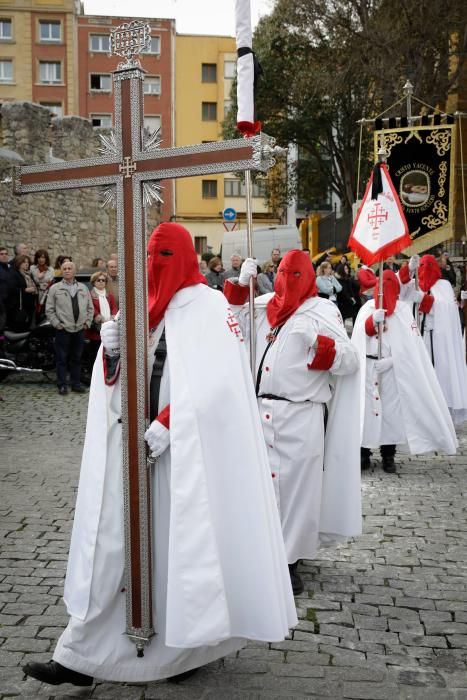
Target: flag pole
(382, 157)
(251, 300)
(248, 126)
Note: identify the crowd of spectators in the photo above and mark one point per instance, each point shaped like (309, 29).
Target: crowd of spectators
(27, 279)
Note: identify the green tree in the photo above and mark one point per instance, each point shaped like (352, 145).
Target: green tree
(327, 64)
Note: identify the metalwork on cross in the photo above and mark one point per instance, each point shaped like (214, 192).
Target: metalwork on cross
(129, 169)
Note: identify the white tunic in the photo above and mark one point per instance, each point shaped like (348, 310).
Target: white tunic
(315, 505)
(405, 405)
(445, 345)
(209, 501)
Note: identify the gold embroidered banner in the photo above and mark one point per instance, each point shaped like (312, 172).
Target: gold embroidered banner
(421, 164)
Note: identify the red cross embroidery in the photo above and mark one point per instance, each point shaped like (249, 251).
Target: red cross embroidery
(376, 217)
(233, 325)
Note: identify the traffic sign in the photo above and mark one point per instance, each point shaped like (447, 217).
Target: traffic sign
(229, 214)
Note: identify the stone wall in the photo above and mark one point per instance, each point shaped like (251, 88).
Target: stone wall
(70, 222)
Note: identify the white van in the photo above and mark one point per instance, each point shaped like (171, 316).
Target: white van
(264, 240)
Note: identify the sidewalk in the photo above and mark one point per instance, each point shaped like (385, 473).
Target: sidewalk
(382, 618)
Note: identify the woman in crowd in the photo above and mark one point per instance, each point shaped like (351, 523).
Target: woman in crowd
(43, 275)
(265, 279)
(105, 308)
(216, 275)
(21, 303)
(348, 299)
(328, 285)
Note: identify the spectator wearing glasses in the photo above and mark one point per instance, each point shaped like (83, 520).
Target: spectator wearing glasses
(105, 308)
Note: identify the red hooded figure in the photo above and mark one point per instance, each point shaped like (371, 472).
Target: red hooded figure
(429, 272)
(391, 291)
(172, 265)
(295, 282)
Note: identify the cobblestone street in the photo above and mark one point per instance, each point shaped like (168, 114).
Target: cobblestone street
(382, 618)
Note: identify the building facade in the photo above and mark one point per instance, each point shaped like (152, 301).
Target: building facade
(205, 69)
(38, 57)
(96, 100)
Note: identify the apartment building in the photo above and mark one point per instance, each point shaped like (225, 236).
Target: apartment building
(205, 69)
(38, 53)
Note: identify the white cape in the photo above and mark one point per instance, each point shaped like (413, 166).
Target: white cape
(220, 568)
(424, 416)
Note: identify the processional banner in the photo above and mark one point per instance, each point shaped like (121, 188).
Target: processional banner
(420, 160)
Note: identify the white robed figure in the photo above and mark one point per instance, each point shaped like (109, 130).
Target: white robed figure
(305, 365)
(214, 514)
(404, 404)
(441, 329)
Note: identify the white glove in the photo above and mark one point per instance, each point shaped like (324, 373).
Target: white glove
(306, 329)
(463, 295)
(418, 296)
(364, 267)
(414, 262)
(110, 337)
(247, 270)
(378, 316)
(383, 365)
(158, 438)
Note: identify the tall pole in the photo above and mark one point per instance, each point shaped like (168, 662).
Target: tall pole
(382, 157)
(251, 301)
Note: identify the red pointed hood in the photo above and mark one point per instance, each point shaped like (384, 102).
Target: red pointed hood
(429, 272)
(172, 265)
(295, 282)
(391, 290)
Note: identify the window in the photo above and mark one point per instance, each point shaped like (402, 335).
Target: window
(230, 69)
(55, 107)
(100, 81)
(209, 189)
(50, 72)
(50, 31)
(208, 73)
(99, 43)
(152, 123)
(201, 244)
(5, 29)
(154, 46)
(6, 71)
(209, 111)
(236, 188)
(103, 120)
(152, 85)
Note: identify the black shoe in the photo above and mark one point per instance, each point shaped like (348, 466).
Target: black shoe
(63, 390)
(296, 579)
(388, 465)
(54, 673)
(365, 462)
(79, 389)
(180, 677)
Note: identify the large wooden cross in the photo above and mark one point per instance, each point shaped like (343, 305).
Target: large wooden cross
(129, 169)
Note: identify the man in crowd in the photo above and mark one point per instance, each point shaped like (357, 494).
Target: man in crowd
(236, 263)
(302, 349)
(19, 249)
(440, 327)
(403, 401)
(6, 281)
(70, 310)
(112, 271)
(276, 258)
(208, 500)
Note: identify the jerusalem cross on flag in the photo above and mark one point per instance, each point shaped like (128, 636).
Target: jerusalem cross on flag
(380, 229)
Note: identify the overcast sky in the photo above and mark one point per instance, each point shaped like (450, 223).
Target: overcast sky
(192, 16)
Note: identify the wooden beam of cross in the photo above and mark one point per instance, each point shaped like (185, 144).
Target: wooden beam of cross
(129, 169)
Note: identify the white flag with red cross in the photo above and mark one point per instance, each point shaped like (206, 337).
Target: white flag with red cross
(380, 229)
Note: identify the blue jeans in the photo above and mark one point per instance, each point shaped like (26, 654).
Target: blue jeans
(68, 351)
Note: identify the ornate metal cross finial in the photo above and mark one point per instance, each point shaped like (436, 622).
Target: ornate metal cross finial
(129, 40)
